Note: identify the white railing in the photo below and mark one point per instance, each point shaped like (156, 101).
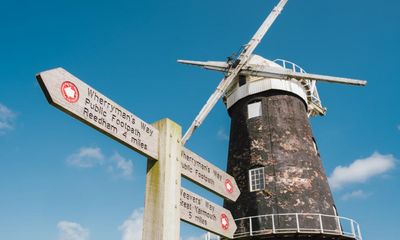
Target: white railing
(310, 86)
(289, 65)
(297, 223)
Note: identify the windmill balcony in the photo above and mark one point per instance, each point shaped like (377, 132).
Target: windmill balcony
(308, 224)
(313, 99)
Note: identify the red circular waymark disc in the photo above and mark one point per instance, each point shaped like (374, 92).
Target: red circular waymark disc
(228, 186)
(224, 221)
(70, 92)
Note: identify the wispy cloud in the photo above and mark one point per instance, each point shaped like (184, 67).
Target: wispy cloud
(131, 228)
(355, 195)
(203, 236)
(7, 118)
(121, 166)
(222, 135)
(86, 157)
(72, 231)
(361, 170)
(91, 157)
(398, 127)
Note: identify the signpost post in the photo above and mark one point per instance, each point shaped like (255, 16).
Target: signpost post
(165, 201)
(163, 182)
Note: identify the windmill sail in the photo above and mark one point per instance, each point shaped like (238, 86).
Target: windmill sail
(235, 69)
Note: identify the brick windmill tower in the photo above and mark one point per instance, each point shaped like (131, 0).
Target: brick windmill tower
(272, 152)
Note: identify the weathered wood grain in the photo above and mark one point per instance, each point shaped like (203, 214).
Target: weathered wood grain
(163, 182)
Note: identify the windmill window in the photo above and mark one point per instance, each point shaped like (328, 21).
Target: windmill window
(257, 179)
(254, 109)
(315, 146)
(242, 80)
(334, 210)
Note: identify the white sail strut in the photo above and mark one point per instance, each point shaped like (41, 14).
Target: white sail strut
(237, 67)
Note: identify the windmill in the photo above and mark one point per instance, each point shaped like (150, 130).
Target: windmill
(272, 152)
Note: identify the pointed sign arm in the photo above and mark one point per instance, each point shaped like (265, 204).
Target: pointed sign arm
(241, 61)
(273, 72)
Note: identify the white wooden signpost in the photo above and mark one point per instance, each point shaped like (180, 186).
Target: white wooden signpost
(165, 201)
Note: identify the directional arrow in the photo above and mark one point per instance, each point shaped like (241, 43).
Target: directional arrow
(202, 172)
(207, 215)
(76, 98)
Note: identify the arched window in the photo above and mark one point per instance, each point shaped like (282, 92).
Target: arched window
(315, 146)
(334, 210)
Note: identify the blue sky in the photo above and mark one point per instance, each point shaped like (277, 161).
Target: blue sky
(60, 177)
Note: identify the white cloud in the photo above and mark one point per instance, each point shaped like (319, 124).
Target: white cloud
(6, 119)
(132, 227)
(222, 135)
(86, 157)
(90, 157)
(355, 194)
(203, 236)
(361, 170)
(72, 231)
(123, 167)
